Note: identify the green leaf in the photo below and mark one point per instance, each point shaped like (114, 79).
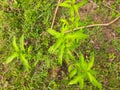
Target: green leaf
(76, 24)
(70, 68)
(91, 62)
(29, 49)
(73, 72)
(64, 27)
(61, 52)
(94, 81)
(64, 21)
(73, 1)
(65, 4)
(24, 61)
(80, 4)
(81, 83)
(75, 80)
(72, 14)
(15, 44)
(58, 43)
(22, 43)
(81, 58)
(51, 49)
(76, 10)
(76, 36)
(83, 63)
(70, 55)
(53, 33)
(93, 72)
(10, 58)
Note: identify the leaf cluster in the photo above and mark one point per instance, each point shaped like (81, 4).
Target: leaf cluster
(65, 42)
(82, 70)
(20, 52)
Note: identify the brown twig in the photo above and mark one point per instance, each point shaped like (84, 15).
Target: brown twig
(94, 25)
(54, 16)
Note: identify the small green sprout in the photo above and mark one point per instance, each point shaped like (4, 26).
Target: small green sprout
(20, 52)
(82, 70)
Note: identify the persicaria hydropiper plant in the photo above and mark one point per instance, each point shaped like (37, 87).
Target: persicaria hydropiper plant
(67, 40)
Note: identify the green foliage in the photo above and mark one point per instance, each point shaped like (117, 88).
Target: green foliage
(67, 40)
(81, 71)
(71, 4)
(20, 52)
(30, 17)
(33, 18)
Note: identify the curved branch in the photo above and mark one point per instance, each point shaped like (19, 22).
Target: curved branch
(94, 25)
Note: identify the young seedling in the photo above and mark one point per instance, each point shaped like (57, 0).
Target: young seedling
(20, 52)
(82, 71)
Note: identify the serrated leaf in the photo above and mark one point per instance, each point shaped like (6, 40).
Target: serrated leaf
(94, 81)
(22, 43)
(75, 80)
(15, 44)
(91, 62)
(53, 33)
(10, 58)
(73, 72)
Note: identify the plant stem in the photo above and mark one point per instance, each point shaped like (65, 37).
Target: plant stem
(94, 25)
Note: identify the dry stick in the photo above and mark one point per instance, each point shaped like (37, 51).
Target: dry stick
(94, 25)
(53, 21)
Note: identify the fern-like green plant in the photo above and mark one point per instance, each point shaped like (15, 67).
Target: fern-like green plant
(81, 71)
(20, 52)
